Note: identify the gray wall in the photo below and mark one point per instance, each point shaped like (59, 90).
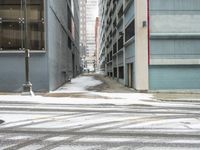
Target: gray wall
(129, 45)
(48, 69)
(175, 28)
(12, 72)
(174, 77)
(175, 35)
(60, 56)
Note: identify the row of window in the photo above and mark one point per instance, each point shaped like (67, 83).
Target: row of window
(129, 33)
(12, 25)
(114, 74)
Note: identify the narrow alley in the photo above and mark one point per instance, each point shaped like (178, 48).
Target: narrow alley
(87, 114)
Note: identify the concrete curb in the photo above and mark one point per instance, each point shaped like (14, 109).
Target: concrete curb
(180, 100)
(175, 91)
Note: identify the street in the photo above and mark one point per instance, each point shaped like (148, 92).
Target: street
(92, 113)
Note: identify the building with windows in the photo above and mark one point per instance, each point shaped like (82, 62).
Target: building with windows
(91, 14)
(151, 44)
(53, 29)
(97, 67)
(83, 31)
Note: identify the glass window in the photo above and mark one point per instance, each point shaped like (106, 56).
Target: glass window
(12, 25)
(10, 9)
(35, 24)
(120, 43)
(35, 10)
(114, 48)
(121, 72)
(111, 55)
(130, 31)
(36, 36)
(120, 13)
(10, 37)
(115, 72)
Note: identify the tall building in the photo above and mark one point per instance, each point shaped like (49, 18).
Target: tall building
(83, 31)
(97, 68)
(151, 44)
(53, 29)
(92, 13)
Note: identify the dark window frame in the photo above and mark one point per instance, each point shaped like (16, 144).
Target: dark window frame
(36, 27)
(120, 43)
(130, 30)
(115, 72)
(121, 72)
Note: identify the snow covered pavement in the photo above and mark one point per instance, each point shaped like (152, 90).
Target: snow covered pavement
(86, 120)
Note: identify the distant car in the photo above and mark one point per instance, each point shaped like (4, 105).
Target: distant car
(85, 70)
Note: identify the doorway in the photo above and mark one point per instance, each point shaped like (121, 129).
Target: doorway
(130, 75)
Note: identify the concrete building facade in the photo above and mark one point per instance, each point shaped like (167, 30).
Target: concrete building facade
(97, 68)
(91, 13)
(53, 42)
(83, 32)
(151, 44)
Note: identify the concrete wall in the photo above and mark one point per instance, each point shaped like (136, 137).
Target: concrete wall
(174, 44)
(49, 69)
(175, 31)
(57, 43)
(174, 77)
(59, 55)
(129, 15)
(12, 72)
(141, 46)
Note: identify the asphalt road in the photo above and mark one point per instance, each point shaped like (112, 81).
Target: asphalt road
(99, 127)
(31, 125)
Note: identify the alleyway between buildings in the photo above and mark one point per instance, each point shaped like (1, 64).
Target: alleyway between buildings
(93, 112)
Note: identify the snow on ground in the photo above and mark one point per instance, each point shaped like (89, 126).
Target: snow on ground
(112, 98)
(117, 119)
(79, 84)
(18, 117)
(115, 99)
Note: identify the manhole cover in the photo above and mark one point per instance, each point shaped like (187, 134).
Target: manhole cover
(1, 121)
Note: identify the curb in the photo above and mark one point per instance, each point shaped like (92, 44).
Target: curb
(180, 100)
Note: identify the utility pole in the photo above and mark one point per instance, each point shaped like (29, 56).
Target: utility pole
(27, 87)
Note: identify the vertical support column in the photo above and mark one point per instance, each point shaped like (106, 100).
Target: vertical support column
(124, 51)
(141, 46)
(27, 87)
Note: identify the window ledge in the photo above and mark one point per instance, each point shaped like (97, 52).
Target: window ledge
(22, 52)
(121, 50)
(175, 62)
(175, 35)
(130, 41)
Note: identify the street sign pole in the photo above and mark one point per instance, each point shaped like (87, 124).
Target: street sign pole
(27, 87)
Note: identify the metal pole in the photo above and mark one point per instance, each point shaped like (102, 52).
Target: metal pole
(27, 87)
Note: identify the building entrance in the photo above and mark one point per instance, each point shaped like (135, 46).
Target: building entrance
(130, 75)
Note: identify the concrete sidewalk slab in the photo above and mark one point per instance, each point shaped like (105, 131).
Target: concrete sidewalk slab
(184, 97)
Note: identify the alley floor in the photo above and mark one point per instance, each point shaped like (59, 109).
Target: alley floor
(95, 113)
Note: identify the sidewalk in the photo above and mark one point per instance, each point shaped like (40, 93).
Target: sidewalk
(180, 97)
(97, 86)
